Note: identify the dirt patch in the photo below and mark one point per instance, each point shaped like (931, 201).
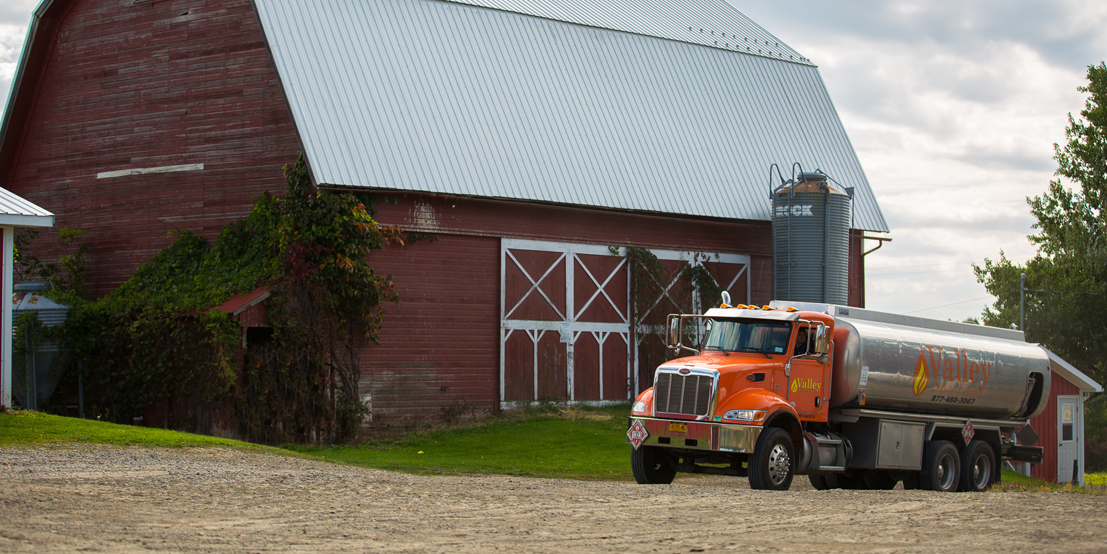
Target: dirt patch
(200, 500)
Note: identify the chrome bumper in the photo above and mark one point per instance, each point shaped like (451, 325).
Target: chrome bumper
(700, 435)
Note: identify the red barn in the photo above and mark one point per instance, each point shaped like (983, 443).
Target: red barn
(528, 137)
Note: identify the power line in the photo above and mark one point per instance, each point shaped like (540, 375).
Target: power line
(1066, 292)
(947, 305)
(938, 265)
(911, 273)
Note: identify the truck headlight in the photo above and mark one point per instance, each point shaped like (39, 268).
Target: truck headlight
(639, 407)
(745, 415)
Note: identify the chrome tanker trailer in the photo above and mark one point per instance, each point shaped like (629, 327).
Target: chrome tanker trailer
(851, 398)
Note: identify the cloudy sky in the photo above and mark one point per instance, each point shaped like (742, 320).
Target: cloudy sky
(952, 107)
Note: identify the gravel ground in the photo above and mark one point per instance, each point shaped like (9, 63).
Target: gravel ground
(107, 499)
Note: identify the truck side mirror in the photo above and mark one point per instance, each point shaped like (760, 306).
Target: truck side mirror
(672, 335)
(822, 340)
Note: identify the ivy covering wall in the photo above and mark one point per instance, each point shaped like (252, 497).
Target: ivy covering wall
(157, 347)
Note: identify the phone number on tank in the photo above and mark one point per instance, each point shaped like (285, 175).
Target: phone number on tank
(952, 399)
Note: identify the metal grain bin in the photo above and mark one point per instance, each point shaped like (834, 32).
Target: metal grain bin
(39, 363)
(811, 221)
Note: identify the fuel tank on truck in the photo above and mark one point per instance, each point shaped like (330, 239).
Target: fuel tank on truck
(911, 364)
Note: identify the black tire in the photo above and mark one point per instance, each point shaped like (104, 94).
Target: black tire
(911, 482)
(819, 482)
(852, 481)
(941, 469)
(773, 463)
(651, 466)
(877, 480)
(978, 467)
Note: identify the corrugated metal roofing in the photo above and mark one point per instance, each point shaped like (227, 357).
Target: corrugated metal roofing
(444, 97)
(17, 212)
(713, 23)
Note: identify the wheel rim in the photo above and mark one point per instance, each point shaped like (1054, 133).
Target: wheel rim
(946, 474)
(981, 472)
(779, 464)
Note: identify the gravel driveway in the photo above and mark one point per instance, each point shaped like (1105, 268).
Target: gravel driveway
(107, 499)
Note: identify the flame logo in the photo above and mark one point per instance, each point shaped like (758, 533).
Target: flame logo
(922, 375)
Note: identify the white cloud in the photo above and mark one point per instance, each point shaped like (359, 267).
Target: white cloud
(15, 15)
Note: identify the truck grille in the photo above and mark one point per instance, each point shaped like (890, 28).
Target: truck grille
(683, 394)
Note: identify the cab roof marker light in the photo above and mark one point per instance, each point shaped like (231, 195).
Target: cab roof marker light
(792, 309)
(766, 307)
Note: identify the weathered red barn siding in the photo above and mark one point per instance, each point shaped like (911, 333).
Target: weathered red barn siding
(144, 85)
(1046, 427)
(856, 268)
(439, 349)
(483, 217)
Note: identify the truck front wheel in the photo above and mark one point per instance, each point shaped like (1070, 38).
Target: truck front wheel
(941, 469)
(772, 465)
(651, 466)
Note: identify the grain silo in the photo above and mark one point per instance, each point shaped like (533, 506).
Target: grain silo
(811, 221)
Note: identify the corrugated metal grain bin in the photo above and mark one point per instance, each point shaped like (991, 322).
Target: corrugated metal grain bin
(811, 221)
(38, 363)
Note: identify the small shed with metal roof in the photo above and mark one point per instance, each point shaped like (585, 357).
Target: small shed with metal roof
(15, 212)
(1061, 426)
(537, 141)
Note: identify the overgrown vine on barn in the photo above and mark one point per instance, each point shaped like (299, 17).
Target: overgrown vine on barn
(649, 277)
(648, 281)
(158, 345)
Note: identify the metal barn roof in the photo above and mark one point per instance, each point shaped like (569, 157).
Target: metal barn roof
(452, 98)
(713, 23)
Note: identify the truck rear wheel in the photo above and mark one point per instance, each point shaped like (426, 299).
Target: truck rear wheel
(651, 466)
(878, 480)
(978, 465)
(941, 469)
(772, 465)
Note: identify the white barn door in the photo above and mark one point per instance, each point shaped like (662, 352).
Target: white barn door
(565, 320)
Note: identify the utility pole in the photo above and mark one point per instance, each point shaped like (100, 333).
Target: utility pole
(1022, 303)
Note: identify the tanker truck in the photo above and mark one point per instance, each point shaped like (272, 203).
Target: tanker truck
(851, 398)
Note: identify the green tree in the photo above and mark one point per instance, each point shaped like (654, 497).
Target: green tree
(1066, 306)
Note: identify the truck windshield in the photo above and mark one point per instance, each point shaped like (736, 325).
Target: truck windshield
(748, 335)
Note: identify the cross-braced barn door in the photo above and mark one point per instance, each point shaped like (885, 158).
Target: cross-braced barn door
(565, 320)
(565, 329)
(672, 289)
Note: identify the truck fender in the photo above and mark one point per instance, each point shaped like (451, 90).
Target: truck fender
(755, 399)
(785, 418)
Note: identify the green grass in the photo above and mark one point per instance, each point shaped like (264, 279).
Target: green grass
(1097, 479)
(574, 443)
(579, 443)
(1013, 481)
(22, 428)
